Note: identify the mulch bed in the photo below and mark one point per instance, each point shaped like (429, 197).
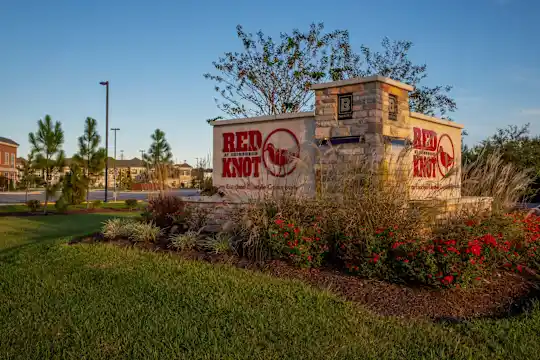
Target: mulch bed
(68, 212)
(504, 295)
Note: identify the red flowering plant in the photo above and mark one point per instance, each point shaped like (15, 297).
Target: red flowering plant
(457, 254)
(369, 253)
(304, 245)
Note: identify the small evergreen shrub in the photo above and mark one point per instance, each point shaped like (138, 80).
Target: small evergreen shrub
(131, 204)
(33, 205)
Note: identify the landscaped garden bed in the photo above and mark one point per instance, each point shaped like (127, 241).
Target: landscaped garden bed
(482, 267)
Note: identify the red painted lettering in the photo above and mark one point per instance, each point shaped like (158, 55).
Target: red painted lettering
(424, 139)
(255, 140)
(242, 141)
(240, 137)
(429, 139)
(256, 160)
(246, 166)
(228, 142)
(226, 173)
(237, 166)
(241, 167)
(417, 138)
(424, 166)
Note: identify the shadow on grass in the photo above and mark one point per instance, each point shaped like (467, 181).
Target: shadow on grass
(35, 230)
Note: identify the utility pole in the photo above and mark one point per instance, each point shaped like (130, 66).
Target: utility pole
(115, 130)
(106, 84)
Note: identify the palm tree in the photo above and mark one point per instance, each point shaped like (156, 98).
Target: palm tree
(49, 157)
(159, 156)
(91, 158)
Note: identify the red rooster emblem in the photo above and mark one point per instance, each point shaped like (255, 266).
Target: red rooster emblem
(279, 157)
(446, 160)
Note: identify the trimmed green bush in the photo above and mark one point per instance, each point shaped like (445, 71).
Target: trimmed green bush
(33, 205)
(61, 205)
(131, 204)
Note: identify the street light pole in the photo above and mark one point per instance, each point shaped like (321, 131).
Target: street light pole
(106, 84)
(115, 130)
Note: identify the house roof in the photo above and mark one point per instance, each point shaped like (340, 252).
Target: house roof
(184, 165)
(8, 141)
(135, 162)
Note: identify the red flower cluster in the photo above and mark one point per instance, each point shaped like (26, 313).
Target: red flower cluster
(472, 253)
(304, 245)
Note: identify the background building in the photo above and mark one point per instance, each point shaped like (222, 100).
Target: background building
(8, 169)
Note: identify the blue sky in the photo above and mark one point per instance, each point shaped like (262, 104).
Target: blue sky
(154, 54)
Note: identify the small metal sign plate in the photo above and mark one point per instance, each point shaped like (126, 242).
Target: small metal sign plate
(345, 106)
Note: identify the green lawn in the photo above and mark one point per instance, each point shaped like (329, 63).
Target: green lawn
(51, 208)
(101, 301)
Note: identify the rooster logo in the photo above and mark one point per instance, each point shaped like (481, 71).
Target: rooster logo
(446, 155)
(279, 159)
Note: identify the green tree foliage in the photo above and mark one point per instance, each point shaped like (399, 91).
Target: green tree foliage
(46, 144)
(28, 176)
(125, 181)
(74, 186)
(516, 146)
(90, 158)
(275, 76)
(393, 62)
(159, 157)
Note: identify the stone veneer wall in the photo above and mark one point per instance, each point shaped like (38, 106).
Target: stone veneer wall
(220, 210)
(370, 114)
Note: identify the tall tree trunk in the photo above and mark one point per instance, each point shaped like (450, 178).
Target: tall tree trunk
(87, 187)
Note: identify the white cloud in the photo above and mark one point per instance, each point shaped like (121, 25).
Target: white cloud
(530, 112)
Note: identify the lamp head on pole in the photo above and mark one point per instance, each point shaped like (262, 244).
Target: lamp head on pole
(104, 83)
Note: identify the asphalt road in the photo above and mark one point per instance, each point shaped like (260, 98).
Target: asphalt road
(19, 197)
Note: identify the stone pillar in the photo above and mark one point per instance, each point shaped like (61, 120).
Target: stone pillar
(365, 130)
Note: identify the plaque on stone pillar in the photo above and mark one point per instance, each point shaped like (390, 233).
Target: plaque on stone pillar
(392, 107)
(345, 106)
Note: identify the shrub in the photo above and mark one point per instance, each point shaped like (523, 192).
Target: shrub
(33, 205)
(186, 241)
(305, 246)
(163, 209)
(208, 189)
(455, 254)
(131, 204)
(117, 228)
(96, 204)
(218, 244)
(349, 194)
(196, 217)
(61, 205)
(145, 232)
